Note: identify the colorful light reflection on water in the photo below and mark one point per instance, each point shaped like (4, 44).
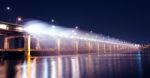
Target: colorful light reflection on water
(78, 66)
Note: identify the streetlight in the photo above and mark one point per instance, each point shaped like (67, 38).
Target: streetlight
(91, 31)
(9, 14)
(19, 19)
(73, 31)
(76, 27)
(52, 20)
(8, 8)
(53, 26)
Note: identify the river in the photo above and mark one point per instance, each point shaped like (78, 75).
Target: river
(135, 65)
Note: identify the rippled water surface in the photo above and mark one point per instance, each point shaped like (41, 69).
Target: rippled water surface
(78, 66)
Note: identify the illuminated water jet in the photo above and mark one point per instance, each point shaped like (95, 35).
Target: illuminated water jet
(46, 32)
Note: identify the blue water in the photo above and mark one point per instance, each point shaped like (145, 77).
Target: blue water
(78, 66)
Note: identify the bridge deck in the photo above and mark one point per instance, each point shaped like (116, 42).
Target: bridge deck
(21, 50)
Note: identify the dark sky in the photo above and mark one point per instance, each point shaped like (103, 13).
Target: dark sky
(126, 20)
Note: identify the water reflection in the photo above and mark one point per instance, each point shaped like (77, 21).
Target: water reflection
(77, 66)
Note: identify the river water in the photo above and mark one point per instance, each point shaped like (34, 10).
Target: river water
(135, 65)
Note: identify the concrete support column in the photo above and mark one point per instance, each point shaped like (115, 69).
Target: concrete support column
(58, 42)
(110, 45)
(6, 43)
(117, 47)
(76, 46)
(37, 45)
(27, 39)
(89, 46)
(104, 47)
(98, 48)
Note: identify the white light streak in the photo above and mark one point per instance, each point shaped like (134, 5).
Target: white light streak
(20, 29)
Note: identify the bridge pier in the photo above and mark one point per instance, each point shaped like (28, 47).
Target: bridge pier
(89, 46)
(37, 44)
(104, 47)
(58, 45)
(76, 46)
(115, 47)
(110, 48)
(27, 48)
(6, 43)
(98, 50)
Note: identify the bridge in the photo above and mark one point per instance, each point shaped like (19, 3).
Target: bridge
(38, 37)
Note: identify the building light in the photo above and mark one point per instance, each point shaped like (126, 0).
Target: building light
(3, 26)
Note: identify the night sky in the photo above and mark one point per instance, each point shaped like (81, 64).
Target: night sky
(126, 20)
